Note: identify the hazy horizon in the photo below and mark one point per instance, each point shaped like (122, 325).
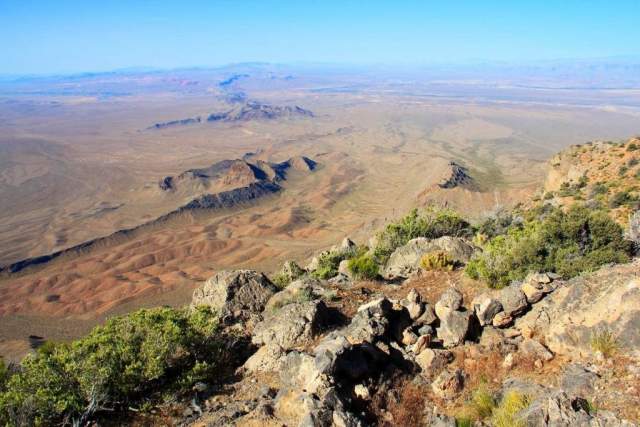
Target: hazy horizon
(45, 38)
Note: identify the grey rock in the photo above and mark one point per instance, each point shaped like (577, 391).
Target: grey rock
(454, 327)
(450, 300)
(292, 325)
(513, 300)
(535, 349)
(406, 259)
(236, 295)
(578, 380)
(486, 308)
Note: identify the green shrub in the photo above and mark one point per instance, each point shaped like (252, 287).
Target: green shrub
(328, 263)
(114, 366)
(632, 147)
(623, 170)
(604, 341)
(632, 162)
(289, 272)
(622, 198)
(599, 188)
(564, 242)
(464, 422)
(437, 260)
(505, 414)
(363, 266)
(430, 223)
(548, 195)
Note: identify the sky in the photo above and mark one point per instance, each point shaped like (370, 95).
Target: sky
(66, 36)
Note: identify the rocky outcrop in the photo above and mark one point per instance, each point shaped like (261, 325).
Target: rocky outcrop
(253, 110)
(607, 301)
(458, 177)
(406, 259)
(173, 123)
(237, 295)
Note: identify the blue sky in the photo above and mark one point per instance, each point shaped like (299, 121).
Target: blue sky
(71, 36)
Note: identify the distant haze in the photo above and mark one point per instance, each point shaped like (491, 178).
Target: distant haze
(72, 36)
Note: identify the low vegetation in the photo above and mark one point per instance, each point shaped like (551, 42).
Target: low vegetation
(363, 266)
(604, 341)
(551, 239)
(430, 223)
(438, 260)
(328, 264)
(505, 414)
(129, 358)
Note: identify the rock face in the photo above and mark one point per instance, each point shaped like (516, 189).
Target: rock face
(236, 295)
(252, 110)
(607, 300)
(406, 259)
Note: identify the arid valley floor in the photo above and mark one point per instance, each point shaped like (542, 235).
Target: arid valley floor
(81, 158)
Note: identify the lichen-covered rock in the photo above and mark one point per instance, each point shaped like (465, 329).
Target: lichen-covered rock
(268, 358)
(236, 295)
(406, 259)
(535, 350)
(292, 325)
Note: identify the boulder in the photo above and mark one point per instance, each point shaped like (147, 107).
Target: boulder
(486, 308)
(448, 385)
(432, 361)
(292, 325)
(533, 349)
(513, 301)
(454, 327)
(536, 286)
(340, 280)
(268, 358)
(406, 259)
(300, 290)
(236, 295)
(578, 380)
(450, 300)
(428, 316)
(343, 268)
(347, 246)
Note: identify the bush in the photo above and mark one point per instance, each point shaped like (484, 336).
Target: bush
(505, 414)
(437, 260)
(632, 147)
(289, 272)
(114, 366)
(328, 263)
(430, 223)
(604, 341)
(363, 266)
(621, 198)
(567, 243)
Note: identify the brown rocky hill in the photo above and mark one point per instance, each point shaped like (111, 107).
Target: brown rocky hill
(601, 173)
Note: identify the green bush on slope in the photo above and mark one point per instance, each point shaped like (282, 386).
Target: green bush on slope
(114, 366)
(567, 243)
(363, 266)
